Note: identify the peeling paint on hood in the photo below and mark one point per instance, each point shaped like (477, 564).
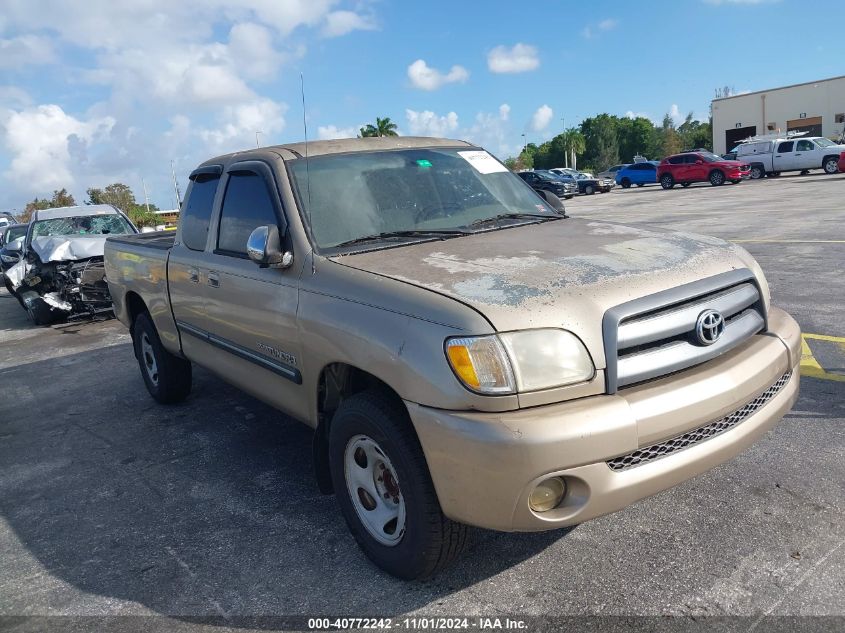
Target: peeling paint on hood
(565, 273)
(68, 248)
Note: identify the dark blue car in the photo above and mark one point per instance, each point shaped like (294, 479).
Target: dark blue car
(637, 174)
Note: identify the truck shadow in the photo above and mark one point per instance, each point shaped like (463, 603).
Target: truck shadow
(208, 508)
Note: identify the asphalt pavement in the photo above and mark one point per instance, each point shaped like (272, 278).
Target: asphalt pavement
(113, 505)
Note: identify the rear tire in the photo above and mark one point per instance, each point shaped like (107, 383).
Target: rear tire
(831, 165)
(640, 184)
(757, 172)
(373, 448)
(666, 181)
(589, 190)
(717, 178)
(167, 377)
(685, 184)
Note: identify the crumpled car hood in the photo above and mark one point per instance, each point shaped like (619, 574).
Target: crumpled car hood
(69, 247)
(562, 274)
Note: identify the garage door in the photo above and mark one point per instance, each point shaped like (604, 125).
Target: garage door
(812, 126)
(734, 136)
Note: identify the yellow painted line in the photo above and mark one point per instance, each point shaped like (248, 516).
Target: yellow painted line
(810, 366)
(788, 241)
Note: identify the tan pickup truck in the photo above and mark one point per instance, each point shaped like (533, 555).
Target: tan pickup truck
(466, 353)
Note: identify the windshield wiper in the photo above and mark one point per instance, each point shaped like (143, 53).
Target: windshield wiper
(385, 235)
(517, 216)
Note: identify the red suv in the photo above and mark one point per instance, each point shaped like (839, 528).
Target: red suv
(842, 162)
(689, 167)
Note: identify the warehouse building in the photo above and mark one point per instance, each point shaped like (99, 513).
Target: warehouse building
(815, 107)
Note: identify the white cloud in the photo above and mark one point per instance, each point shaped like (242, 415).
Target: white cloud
(342, 22)
(589, 31)
(491, 131)
(328, 132)
(608, 24)
(238, 124)
(26, 50)
(541, 118)
(427, 123)
(518, 58)
(14, 97)
(45, 143)
(425, 77)
(630, 114)
(675, 113)
(504, 112)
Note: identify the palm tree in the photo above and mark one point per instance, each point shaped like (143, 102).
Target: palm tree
(574, 143)
(383, 127)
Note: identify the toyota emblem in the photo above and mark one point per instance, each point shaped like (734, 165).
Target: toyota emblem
(709, 327)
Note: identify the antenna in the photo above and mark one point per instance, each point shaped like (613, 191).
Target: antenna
(307, 172)
(176, 186)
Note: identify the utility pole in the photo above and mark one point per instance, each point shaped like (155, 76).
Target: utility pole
(257, 132)
(176, 186)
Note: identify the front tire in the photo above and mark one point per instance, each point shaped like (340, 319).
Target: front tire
(757, 172)
(167, 377)
(589, 190)
(685, 184)
(384, 488)
(666, 181)
(626, 183)
(831, 165)
(717, 178)
(39, 311)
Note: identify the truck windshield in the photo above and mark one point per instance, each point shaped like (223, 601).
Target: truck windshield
(823, 142)
(412, 191)
(710, 158)
(111, 224)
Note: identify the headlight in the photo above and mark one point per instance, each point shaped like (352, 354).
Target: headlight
(512, 362)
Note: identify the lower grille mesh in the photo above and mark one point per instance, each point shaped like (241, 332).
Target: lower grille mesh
(690, 438)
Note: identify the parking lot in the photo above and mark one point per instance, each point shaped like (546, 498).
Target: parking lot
(113, 505)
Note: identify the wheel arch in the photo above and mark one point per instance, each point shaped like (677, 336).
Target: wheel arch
(338, 381)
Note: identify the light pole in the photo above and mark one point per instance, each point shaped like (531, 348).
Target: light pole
(257, 132)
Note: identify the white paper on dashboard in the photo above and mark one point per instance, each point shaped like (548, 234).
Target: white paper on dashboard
(483, 162)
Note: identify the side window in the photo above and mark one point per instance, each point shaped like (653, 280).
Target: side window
(676, 160)
(786, 146)
(246, 206)
(690, 159)
(805, 146)
(197, 213)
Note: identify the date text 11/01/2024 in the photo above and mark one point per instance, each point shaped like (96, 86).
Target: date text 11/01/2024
(417, 623)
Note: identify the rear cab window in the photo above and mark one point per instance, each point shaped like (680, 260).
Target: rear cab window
(199, 204)
(786, 146)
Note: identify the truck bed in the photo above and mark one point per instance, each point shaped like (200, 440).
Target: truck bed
(162, 240)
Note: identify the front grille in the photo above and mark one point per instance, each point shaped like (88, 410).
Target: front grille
(691, 438)
(655, 335)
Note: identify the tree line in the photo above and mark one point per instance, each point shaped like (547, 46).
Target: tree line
(605, 140)
(116, 194)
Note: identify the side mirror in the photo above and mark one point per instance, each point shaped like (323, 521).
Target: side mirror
(554, 202)
(14, 246)
(264, 248)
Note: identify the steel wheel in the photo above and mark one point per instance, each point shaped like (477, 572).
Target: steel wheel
(374, 490)
(149, 359)
(831, 166)
(757, 172)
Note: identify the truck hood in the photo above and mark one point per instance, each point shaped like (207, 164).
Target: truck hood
(68, 247)
(562, 274)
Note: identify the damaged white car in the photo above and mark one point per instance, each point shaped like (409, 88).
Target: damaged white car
(60, 274)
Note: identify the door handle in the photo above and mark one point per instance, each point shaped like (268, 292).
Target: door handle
(213, 279)
(194, 275)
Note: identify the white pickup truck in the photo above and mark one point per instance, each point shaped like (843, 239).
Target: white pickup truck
(770, 157)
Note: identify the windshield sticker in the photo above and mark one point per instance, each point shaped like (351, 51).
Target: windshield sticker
(422, 162)
(483, 162)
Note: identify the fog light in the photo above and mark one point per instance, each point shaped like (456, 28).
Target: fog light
(547, 495)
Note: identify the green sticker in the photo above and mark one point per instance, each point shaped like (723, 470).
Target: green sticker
(424, 163)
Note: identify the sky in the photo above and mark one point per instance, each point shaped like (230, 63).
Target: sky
(107, 91)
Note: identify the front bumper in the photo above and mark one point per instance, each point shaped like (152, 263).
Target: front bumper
(485, 465)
